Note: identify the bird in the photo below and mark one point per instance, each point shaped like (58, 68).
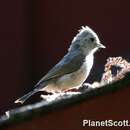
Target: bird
(73, 69)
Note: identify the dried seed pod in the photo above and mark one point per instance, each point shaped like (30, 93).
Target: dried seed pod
(107, 76)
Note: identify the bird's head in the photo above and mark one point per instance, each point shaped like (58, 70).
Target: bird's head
(86, 41)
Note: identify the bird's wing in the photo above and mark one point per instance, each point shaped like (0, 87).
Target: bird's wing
(70, 63)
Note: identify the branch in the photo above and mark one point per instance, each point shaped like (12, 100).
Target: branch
(27, 112)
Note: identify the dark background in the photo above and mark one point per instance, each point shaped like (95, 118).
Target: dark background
(35, 35)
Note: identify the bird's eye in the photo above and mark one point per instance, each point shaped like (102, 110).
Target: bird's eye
(92, 39)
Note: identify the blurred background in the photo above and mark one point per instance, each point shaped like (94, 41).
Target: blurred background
(35, 35)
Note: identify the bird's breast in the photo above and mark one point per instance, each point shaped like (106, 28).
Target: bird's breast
(74, 79)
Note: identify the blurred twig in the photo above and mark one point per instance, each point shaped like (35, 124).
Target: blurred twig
(27, 112)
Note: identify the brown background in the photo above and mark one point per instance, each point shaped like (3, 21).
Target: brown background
(34, 35)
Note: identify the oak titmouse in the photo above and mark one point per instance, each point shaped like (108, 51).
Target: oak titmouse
(74, 67)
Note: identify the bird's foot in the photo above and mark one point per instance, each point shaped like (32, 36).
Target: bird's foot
(59, 95)
(93, 85)
(50, 97)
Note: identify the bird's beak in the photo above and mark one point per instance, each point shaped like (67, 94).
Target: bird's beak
(101, 45)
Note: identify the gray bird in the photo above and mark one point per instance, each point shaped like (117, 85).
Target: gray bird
(74, 67)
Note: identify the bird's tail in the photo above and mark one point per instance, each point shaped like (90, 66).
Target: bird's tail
(25, 97)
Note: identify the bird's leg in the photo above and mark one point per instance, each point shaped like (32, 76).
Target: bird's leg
(71, 90)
